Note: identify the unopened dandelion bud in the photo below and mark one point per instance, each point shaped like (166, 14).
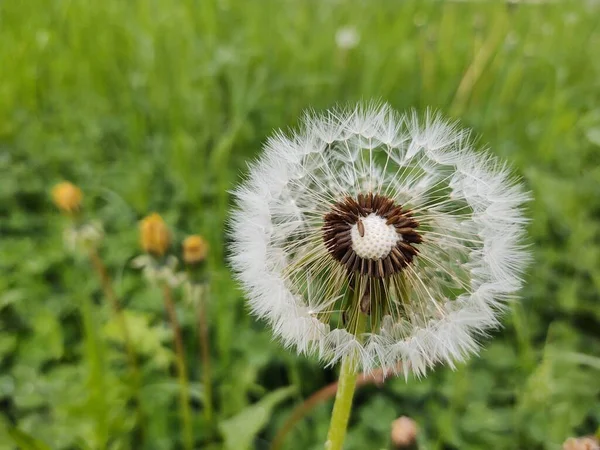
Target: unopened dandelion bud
(582, 443)
(195, 249)
(404, 433)
(379, 237)
(155, 236)
(67, 197)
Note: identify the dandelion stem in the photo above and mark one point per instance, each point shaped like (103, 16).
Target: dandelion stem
(203, 339)
(184, 397)
(376, 377)
(110, 294)
(342, 405)
(96, 381)
(343, 398)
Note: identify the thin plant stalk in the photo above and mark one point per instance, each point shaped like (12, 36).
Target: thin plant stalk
(184, 396)
(96, 379)
(203, 338)
(376, 377)
(342, 405)
(345, 393)
(110, 294)
(478, 65)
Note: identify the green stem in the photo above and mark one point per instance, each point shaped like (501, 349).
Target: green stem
(203, 337)
(96, 380)
(184, 393)
(376, 377)
(110, 294)
(346, 387)
(342, 405)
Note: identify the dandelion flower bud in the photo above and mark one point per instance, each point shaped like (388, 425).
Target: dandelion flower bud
(381, 237)
(67, 197)
(195, 249)
(155, 236)
(404, 433)
(582, 443)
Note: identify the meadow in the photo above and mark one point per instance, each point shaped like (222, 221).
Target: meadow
(158, 106)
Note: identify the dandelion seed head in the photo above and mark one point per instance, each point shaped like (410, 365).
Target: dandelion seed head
(82, 237)
(365, 216)
(347, 38)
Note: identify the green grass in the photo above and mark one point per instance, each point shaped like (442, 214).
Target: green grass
(158, 105)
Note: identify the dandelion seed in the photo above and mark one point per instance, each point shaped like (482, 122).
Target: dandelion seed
(366, 216)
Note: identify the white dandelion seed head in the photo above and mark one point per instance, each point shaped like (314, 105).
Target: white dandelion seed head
(157, 272)
(365, 216)
(80, 238)
(346, 38)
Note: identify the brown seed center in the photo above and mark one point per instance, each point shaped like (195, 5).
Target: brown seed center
(346, 213)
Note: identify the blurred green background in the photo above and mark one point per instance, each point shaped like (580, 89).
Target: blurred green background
(158, 105)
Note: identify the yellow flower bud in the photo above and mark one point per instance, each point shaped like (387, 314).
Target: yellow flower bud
(195, 249)
(155, 236)
(67, 197)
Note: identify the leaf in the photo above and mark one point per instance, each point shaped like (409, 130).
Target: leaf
(8, 344)
(26, 441)
(46, 341)
(149, 340)
(171, 389)
(583, 359)
(240, 430)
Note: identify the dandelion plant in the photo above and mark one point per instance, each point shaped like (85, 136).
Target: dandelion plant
(378, 239)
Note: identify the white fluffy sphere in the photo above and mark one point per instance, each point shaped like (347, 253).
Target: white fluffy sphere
(379, 236)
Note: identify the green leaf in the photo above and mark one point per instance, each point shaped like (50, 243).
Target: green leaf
(26, 441)
(240, 430)
(149, 340)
